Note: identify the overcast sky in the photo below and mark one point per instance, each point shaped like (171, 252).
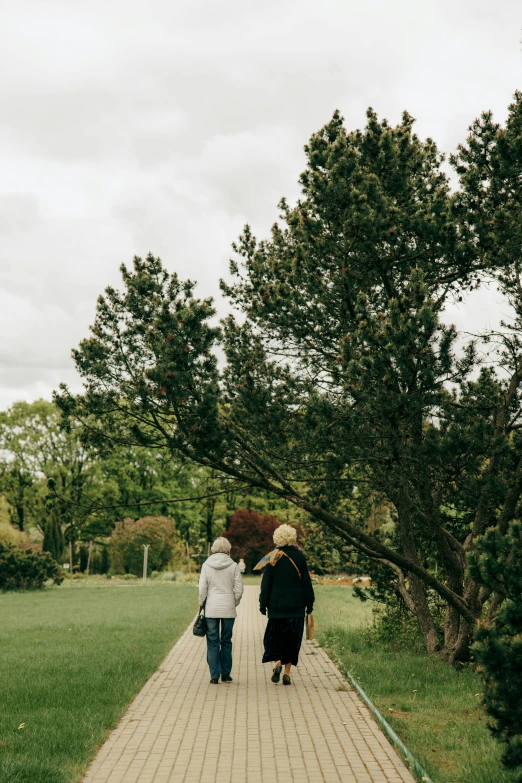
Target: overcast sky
(165, 126)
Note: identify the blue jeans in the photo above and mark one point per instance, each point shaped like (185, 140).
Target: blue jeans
(219, 648)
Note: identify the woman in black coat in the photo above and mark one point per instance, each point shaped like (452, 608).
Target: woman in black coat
(286, 593)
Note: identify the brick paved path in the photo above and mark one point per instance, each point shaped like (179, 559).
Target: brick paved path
(181, 729)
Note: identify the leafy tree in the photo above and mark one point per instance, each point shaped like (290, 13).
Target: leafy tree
(91, 490)
(18, 485)
(36, 449)
(326, 553)
(128, 538)
(137, 479)
(342, 382)
(496, 565)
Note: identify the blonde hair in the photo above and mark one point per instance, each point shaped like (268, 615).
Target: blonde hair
(284, 535)
(221, 545)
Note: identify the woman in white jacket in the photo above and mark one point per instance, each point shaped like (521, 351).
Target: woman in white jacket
(220, 584)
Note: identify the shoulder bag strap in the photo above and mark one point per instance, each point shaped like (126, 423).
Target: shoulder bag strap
(294, 565)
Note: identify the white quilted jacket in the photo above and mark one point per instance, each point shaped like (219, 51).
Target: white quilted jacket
(221, 584)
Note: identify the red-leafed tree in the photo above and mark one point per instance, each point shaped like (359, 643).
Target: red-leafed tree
(251, 534)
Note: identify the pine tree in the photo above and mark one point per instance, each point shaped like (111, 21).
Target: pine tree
(342, 379)
(497, 566)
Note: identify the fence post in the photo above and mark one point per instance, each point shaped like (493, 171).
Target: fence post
(145, 560)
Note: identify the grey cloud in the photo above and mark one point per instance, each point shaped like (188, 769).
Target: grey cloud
(126, 129)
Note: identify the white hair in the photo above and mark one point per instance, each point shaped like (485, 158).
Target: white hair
(221, 545)
(284, 535)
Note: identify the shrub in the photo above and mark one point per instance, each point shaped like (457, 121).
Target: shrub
(10, 534)
(395, 627)
(129, 536)
(251, 534)
(26, 569)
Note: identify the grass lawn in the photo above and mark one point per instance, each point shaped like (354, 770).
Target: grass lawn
(71, 660)
(434, 709)
(251, 579)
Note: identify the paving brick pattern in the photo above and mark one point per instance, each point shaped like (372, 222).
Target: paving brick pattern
(181, 729)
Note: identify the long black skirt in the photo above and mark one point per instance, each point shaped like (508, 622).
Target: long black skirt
(283, 640)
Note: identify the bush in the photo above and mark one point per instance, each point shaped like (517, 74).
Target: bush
(251, 534)
(10, 534)
(396, 627)
(128, 538)
(26, 569)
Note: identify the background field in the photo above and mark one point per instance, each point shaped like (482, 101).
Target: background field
(72, 658)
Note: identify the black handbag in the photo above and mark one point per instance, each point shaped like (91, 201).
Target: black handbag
(200, 626)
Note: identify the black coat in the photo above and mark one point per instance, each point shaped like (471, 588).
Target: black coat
(283, 592)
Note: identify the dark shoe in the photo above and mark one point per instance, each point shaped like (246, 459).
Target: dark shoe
(226, 678)
(213, 681)
(286, 679)
(276, 676)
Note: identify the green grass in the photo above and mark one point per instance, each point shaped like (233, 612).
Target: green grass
(434, 709)
(72, 658)
(251, 579)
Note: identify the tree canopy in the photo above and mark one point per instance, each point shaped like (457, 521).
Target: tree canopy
(343, 385)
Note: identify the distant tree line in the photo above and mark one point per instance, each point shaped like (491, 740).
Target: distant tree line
(95, 508)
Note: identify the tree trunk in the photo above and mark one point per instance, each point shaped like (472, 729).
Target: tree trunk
(451, 628)
(211, 503)
(424, 617)
(452, 620)
(457, 651)
(416, 588)
(89, 559)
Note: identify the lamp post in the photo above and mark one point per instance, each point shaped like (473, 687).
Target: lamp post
(145, 560)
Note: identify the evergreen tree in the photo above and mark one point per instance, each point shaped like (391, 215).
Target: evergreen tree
(53, 540)
(342, 381)
(105, 560)
(497, 566)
